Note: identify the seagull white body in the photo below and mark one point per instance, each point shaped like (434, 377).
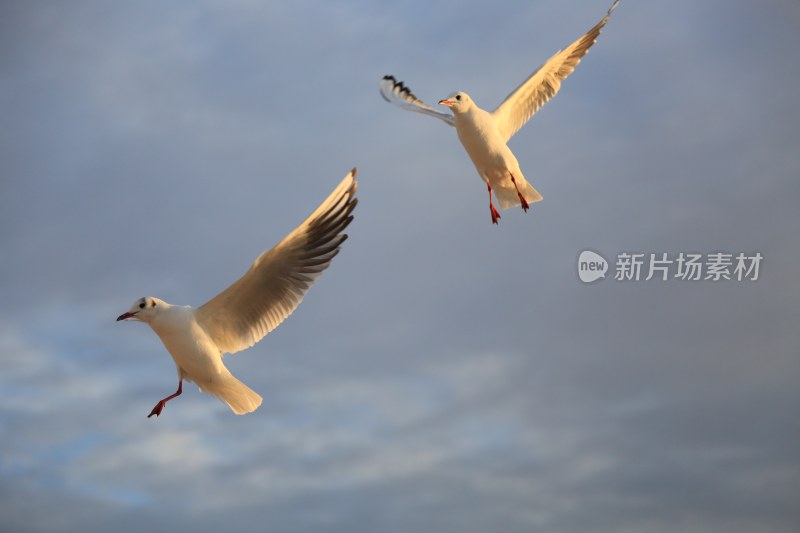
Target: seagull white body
(493, 159)
(249, 309)
(197, 357)
(485, 134)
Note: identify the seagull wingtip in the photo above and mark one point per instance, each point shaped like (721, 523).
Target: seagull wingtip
(388, 78)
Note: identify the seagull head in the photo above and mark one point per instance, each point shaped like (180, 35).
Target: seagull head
(458, 102)
(144, 309)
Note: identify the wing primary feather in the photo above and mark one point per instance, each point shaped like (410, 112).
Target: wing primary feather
(397, 93)
(400, 89)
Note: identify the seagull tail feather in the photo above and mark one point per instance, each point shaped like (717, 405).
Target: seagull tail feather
(507, 196)
(238, 396)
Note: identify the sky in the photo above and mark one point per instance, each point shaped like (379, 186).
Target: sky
(444, 374)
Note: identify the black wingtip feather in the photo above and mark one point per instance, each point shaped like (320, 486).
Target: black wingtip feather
(400, 89)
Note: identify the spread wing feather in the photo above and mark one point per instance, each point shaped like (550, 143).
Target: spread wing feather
(542, 85)
(395, 92)
(276, 283)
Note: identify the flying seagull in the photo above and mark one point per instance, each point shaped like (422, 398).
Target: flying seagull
(254, 305)
(485, 134)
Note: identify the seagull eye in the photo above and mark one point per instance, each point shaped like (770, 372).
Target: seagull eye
(154, 304)
(458, 97)
(141, 305)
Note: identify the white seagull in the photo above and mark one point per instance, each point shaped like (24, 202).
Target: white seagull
(254, 305)
(485, 135)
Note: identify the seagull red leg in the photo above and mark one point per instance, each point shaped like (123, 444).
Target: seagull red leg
(495, 214)
(523, 202)
(160, 405)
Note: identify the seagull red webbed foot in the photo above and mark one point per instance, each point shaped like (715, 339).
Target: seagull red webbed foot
(160, 405)
(495, 213)
(523, 202)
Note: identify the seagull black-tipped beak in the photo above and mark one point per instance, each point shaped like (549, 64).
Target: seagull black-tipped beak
(123, 316)
(448, 103)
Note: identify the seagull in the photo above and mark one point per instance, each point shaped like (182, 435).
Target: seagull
(253, 306)
(485, 134)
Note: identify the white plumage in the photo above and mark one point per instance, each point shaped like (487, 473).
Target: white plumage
(485, 134)
(254, 305)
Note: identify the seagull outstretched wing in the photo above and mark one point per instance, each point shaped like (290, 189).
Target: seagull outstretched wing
(542, 85)
(276, 283)
(395, 92)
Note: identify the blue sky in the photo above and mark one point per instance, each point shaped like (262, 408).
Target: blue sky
(444, 374)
